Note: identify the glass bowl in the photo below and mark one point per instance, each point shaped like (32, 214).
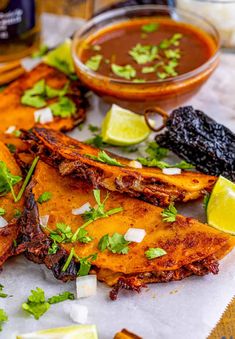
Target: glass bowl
(168, 93)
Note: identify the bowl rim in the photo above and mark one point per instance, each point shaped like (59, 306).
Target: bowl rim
(131, 9)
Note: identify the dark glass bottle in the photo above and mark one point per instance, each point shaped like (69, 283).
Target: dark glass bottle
(19, 28)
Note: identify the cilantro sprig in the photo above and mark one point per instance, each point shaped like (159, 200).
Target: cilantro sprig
(115, 243)
(2, 211)
(7, 180)
(61, 297)
(85, 262)
(99, 211)
(169, 214)
(155, 156)
(93, 214)
(37, 304)
(150, 28)
(105, 158)
(62, 234)
(153, 253)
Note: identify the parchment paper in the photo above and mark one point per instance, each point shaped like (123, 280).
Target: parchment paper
(178, 310)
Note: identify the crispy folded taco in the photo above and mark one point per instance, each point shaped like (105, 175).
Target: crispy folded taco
(192, 248)
(14, 113)
(76, 159)
(9, 209)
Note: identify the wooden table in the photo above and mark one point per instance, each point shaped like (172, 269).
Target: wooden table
(83, 8)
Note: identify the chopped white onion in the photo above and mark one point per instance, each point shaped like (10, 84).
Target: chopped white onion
(78, 313)
(28, 63)
(171, 171)
(86, 286)
(44, 220)
(3, 222)
(135, 235)
(43, 116)
(10, 130)
(81, 210)
(135, 164)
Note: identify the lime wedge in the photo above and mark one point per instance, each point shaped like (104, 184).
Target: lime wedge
(221, 206)
(71, 332)
(61, 58)
(122, 127)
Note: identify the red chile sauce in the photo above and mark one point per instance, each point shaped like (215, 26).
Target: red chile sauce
(115, 42)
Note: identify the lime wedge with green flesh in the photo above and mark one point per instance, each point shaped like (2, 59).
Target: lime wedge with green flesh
(122, 127)
(71, 332)
(61, 58)
(221, 206)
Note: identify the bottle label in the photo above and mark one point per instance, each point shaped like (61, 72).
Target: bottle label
(16, 18)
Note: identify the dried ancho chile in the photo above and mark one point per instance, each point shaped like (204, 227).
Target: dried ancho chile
(201, 141)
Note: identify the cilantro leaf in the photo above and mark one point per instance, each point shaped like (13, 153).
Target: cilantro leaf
(83, 236)
(127, 72)
(96, 141)
(17, 213)
(2, 294)
(173, 41)
(162, 164)
(2, 211)
(172, 53)
(162, 75)
(153, 253)
(64, 108)
(34, 96)
(149, 28)
(155, 151)
(105, 158)
(85, 264)
(56, 92)
(94, 62)
(115, 243)
(93, 128)
(149, 69)
(7, 180)
(103, 243)
(53, 249)
(62, 233)
(3, 318)
(139, 81)
(44, 197)
(169, 214)
(61, 297)
(144, 53)
(36, 303)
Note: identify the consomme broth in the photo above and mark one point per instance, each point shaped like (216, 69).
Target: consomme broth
(147, 49)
